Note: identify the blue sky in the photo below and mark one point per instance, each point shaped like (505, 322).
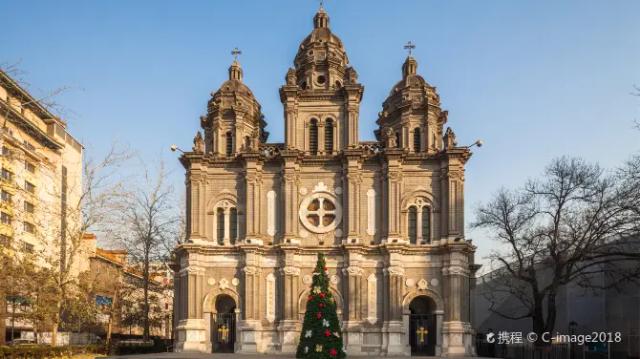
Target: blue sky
(534, 79)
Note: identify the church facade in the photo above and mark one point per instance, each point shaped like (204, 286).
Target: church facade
(388, 215)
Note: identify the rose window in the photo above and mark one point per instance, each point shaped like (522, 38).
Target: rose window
(320, 212)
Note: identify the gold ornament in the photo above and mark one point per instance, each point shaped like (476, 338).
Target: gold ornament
(318, 348)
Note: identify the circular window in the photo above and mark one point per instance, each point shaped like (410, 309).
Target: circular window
(320, 212)
(321, 79)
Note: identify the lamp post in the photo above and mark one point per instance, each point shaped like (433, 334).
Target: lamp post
(478, 143)
(175, 148)
(572, 331)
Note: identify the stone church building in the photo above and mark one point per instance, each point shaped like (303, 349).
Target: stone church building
(388, 214)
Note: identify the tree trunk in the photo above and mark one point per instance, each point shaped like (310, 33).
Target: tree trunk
(145, 279)
(3, 318)
(54, 334)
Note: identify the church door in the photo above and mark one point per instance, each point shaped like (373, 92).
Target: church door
(422, 326)
(223, 325)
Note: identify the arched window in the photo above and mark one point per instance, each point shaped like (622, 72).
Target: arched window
(398, 138)
(313, 136)
(233, 225)
(416, 139)
(229, 144)
(220, 225)
(426, 224)
(328, 136)
(412, 223)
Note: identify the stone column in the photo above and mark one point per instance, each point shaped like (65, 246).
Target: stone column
(253, 208)
(320, 137)
(354, 279)
(291, 278)
(394, 324)
(353, 325)
(191, 330)
(454, 329)
(394, 181)
(419, 226)
(289, 327)
(290, 197)
(251, 292)
(227, 223)
(439, 318)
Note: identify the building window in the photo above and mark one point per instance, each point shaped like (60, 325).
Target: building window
(29, 166)
(229, 143)
(320, 212)
(220, 224)
(5, 218)
(29, 227)
(7, 175)
(29, 207)
(328, 136)
(6, 152)
(6, 196)
(5, 240)
(27, 247)
(426, 224)
(398, 138)
(233, 225)
(29, 187)
(416, 140)
(28, 145)
(313, 136)
(412, 222)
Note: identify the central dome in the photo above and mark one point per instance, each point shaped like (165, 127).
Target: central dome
(320, 52)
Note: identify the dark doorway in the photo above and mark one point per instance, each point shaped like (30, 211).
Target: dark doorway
(422, 326)
(223, 325)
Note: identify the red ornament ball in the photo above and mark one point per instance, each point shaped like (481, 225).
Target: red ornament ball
(327, 333)
(322, 295)
(321, 305)
(333, 352)
(319, 315)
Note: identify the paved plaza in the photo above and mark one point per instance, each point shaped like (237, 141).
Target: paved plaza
(236, 356)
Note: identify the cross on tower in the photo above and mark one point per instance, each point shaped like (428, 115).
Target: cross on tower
(321, 3)
(235, 52)
(409, 46)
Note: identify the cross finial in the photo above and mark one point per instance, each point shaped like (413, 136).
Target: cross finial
(321, 3)
(410, 46)
(235, 52)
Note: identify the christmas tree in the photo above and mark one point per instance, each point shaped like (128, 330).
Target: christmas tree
(321, 336)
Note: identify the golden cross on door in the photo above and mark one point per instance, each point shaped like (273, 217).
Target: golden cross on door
(409, 46)
(422, 332)
(223, 333)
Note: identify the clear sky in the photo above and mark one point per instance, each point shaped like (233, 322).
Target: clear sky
(534, 79)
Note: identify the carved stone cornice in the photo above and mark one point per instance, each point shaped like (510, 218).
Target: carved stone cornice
(353, 271)
(394, 270)
(289, 270)
(251, 270)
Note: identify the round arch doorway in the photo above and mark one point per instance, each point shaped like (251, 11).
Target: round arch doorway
(223, 325)
(422, 326)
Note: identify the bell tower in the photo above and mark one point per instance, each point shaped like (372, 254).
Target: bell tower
(234, 122)
(321, 97)
(411, 116)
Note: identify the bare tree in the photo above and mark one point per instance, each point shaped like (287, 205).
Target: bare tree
(149, 228)
(571, 226)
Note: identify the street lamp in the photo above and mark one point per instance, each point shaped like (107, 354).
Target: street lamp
(175, 148)
(478, 143)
